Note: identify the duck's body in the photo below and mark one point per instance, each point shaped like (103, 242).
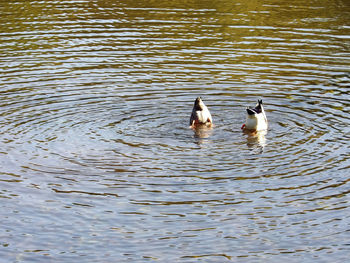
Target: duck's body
(256, 118)
(200, 114)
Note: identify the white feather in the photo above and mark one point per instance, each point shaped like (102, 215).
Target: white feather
(257, 121)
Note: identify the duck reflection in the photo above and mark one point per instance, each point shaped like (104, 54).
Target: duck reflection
(256, 140)
(202, 131)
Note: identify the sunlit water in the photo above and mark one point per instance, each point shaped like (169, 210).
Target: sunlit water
(98, 164)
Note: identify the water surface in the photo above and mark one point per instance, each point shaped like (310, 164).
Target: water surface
(98, 164)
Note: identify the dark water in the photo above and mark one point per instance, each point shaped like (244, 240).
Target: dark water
(97, 163)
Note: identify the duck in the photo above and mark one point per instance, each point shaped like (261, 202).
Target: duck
(256, 118)
(200, 114)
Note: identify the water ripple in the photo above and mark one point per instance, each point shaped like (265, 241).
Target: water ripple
(94, 137)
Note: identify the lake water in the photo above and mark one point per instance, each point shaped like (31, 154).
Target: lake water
(97, 160)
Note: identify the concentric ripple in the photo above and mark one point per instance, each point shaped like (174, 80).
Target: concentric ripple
(97, 159)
